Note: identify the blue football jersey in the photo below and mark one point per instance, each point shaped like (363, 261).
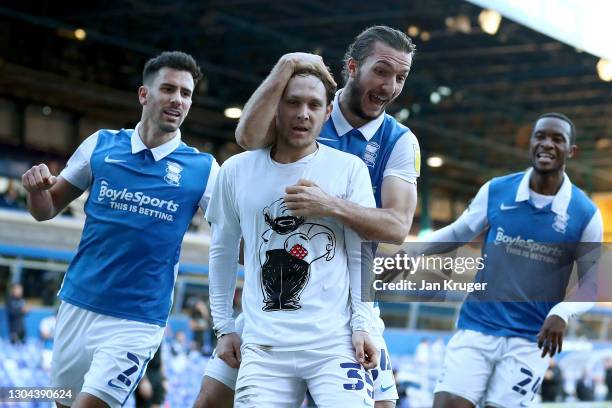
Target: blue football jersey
(375, 152)
(137, 212)
(529, 253)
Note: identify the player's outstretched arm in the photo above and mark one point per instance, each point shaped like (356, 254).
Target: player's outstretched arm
(47, 195)
(256, 128)
(444, 240)
(464, 229)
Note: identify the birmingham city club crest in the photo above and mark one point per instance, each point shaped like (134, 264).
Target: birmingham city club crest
(173, 173)
(370, 153)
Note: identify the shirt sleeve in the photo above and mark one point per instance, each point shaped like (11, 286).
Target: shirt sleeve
(475, 216)
(588, 256)
(224, 250)
(359, 192)
(594, 229)
(405, 159)
(210, 185)
(78, 169)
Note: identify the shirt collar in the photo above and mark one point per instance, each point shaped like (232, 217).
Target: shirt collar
(343, 127)
(561, 200)
(158, 152)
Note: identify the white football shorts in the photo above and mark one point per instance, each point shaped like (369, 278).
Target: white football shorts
(497, 371)
(382, 376)
(101, 355)
(273, 379)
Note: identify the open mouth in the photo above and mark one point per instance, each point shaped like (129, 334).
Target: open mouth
(300, 129)
(545, 156)
(173, 113)
(377, 100)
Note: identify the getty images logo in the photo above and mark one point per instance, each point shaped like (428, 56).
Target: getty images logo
(137, 197)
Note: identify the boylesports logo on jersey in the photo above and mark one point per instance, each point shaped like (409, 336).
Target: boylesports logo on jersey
(529, 244)
(137, 197)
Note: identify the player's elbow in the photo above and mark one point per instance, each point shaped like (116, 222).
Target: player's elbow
(391, 233)
(44, 217)
(41, 216)
(399, 234)
(244, 139)
(395, 236)
(398, 238)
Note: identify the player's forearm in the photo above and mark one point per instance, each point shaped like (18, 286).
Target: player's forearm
(253, 130)
(373, 224)
(361, 306)
(582, 298)
(221, 293)
(443, 240)
(40, 205)
(361, 315)
(222, 278)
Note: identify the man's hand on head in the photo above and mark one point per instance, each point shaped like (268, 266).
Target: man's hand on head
(302, 60)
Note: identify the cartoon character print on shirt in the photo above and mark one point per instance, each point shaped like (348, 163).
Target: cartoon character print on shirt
(287, 250)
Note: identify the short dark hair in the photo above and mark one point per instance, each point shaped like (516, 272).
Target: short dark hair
(564, 118)
(171, 59)
(361, 48)
(330, 88)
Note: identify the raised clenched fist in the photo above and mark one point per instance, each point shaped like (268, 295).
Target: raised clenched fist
(38, 178)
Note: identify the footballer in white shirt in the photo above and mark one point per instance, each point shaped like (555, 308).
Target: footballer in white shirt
(305, 325)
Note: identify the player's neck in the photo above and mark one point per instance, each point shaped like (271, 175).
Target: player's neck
(152, 136)
(546, 183)
(354, 120)
(285, 154)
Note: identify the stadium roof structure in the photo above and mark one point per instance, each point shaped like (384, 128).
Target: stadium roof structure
(471, 97)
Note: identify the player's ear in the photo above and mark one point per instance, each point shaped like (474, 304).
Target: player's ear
(572, 151)
(352, 67)
(143, 92)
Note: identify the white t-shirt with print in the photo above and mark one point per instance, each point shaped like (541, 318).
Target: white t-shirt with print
(302, 276)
